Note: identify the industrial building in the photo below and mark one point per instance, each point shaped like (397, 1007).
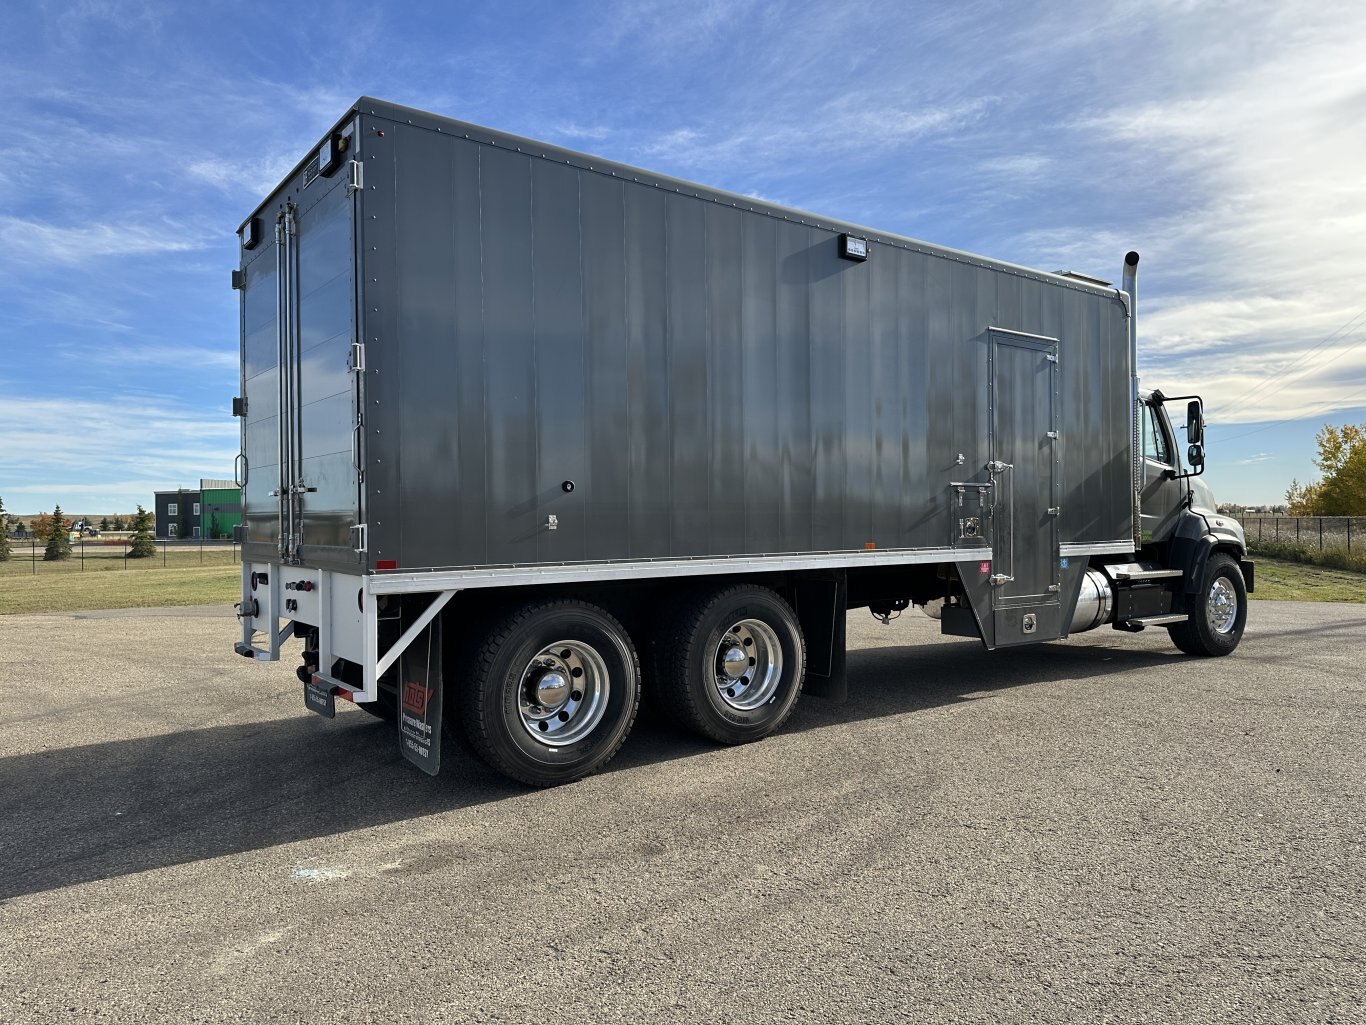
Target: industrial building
(210, 511)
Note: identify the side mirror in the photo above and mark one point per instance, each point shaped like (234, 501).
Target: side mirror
(1195, 456)
(1195, 425)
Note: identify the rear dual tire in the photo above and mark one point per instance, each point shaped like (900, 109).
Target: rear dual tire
(732, 664)
(551, 693)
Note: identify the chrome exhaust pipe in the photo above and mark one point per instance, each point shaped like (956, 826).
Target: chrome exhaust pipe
(1130, 287)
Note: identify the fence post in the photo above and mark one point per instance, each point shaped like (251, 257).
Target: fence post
(163, 553)
(33, 553)
(1320, 533)
(1349, 535)
(82, 553)
(1297, 530)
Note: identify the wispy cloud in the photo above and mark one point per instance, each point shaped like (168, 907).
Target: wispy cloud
(125, 447)
(28, 241)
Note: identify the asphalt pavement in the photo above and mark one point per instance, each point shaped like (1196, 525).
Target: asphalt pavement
(1095, 830)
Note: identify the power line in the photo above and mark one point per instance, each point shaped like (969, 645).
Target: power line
(1279, 376)
(1303, 416)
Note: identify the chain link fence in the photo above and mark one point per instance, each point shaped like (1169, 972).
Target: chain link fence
(1315, 533)
(102, 553)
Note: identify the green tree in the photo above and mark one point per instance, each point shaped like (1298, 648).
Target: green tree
(4, 533)
(118, 523)
(1342, 490)
(104, 523)
(58, 540)
(143, 543)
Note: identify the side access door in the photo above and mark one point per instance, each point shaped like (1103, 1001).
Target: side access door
(1025, 468)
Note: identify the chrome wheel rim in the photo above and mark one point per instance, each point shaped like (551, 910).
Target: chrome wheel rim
(747, 664)
(562, 695)
(1222, 606)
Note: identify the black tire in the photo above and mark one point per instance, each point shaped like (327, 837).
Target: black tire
(694, 682)
(1215, 624)
(514, 662)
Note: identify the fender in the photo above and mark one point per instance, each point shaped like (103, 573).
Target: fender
(1195, 539)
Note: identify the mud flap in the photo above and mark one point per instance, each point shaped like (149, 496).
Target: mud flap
(419, 709)
(320, 697)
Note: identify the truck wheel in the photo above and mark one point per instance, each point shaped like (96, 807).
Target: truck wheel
(551, 693)
(733, 665)
(1215, 625)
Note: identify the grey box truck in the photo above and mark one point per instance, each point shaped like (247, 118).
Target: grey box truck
(527, 433)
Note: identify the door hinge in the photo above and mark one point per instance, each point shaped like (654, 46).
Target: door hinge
(1054, 588)
(360, 538)
(1051, 358)
(1052, 434)
(357, 181)
(239, 278)
(1054, 510)
(356, 363)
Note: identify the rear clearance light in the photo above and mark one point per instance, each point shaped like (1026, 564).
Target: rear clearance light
(386, 564)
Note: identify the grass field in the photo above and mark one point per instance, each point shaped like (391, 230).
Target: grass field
(62, 587)
(143, 588)
(1297, 581)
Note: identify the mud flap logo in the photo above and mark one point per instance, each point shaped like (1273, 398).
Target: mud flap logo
(415, 698)
(419, 713)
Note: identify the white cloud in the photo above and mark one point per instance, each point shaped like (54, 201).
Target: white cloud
(111, 451)
(1267, 151)
(29, 241)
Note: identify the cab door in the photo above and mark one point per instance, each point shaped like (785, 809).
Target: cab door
(1162, 495)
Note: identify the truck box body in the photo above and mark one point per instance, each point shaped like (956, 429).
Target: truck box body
(481, 333)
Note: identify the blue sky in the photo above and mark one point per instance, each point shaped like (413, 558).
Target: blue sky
(1225, 142)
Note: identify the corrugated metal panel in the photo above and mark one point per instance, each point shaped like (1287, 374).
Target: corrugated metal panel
(712, 380)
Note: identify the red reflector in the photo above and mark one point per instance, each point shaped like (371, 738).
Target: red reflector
(869, 545)
(386, 564)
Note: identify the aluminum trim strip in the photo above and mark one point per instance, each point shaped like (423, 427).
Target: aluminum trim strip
(1124, 547)
(519, 576)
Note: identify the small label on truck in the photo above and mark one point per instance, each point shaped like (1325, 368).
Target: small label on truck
(419, 700)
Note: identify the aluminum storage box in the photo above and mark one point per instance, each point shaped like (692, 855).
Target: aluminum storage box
(502, 353)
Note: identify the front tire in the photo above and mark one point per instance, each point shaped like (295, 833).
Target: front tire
(551, 693)
(1215, 625)
(733, 666)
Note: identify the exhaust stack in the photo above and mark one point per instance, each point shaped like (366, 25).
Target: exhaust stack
(1130, 287)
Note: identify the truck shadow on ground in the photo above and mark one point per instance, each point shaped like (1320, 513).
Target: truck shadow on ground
(98, 811)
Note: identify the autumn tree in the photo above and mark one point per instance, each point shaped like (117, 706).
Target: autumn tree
(143, 543)
(58, 540)
(4, 533)
(1342, 489)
